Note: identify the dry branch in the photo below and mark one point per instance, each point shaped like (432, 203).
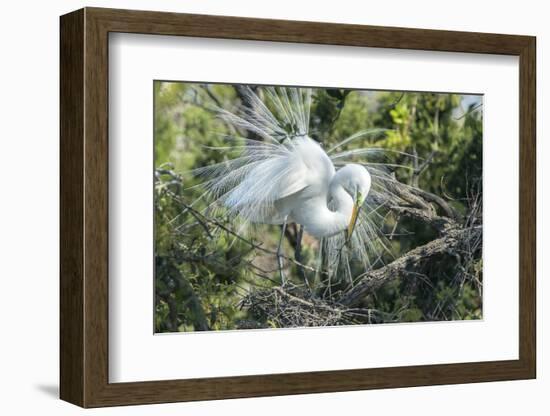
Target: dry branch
(409, 262)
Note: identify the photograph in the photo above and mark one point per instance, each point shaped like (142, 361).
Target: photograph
(250, 204)
(285, 207)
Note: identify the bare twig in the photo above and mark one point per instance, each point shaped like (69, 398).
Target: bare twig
(237, 235)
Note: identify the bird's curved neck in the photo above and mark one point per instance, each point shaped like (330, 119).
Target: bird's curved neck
(341, 204)
(322, 221)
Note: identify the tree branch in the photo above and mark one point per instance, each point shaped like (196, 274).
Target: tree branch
(428, 196)
(372, 280)
(438, 223)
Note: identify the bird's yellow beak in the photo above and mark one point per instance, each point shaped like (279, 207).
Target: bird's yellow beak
(354, 215)
(353, 220)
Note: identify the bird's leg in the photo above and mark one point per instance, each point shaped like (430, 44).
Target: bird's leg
(298, 255)
(319, 263)
(279, 258)
(298, 250)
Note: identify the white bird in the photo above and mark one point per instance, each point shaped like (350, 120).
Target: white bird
(283, 176)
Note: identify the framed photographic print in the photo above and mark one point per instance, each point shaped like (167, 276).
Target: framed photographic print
(260, 207)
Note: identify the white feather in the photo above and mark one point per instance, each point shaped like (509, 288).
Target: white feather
(286, 175)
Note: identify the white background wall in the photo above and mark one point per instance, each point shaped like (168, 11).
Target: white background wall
(29, 206)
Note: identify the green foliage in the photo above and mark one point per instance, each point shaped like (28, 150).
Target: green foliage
(203, 270)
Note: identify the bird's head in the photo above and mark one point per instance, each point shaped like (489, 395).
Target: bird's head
(356, 181)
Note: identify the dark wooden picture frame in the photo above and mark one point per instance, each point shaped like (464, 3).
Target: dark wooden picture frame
(84, 207)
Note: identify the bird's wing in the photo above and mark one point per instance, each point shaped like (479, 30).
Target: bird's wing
(252, 184)
(275, 161)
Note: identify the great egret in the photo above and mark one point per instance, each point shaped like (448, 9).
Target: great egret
(280, 175)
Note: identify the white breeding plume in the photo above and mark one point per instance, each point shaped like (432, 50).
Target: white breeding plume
(280, 175)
